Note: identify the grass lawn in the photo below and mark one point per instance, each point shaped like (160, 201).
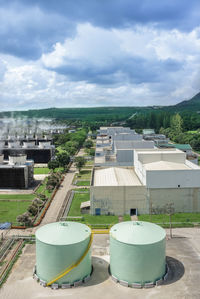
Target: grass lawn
(45, 170)
(178, 217)
(126, 218)
(89, 219)
(42, 189)
(89, 163)
(17, 196)
(10, 210)
(102, 219)
(86, 190)
(83, 183)
(193, 132)
(41, 170)
(76, 202)
(84, 175)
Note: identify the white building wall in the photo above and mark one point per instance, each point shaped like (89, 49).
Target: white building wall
(185, 200)
(173, 178)
(118, 200)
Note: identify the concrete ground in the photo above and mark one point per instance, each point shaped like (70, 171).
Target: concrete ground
(183, 282)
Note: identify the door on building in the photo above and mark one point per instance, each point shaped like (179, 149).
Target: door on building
(133, 212)
(97, 211)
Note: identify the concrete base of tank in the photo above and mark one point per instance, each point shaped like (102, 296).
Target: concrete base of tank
(56, 286)
(183, 253)
(146, 285)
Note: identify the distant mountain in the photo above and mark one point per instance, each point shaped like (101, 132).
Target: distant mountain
(193, 104)
(104, 113)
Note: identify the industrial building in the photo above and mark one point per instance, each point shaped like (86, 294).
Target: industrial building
(63, 254)
(137, 253)
(115, 146)
(159, 177)
(38, 150)
(17, 172)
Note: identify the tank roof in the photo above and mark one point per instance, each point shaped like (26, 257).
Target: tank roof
(63, 233)
(137, 232)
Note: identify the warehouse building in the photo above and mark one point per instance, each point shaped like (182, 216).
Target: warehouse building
(116, 148)
(159, 177)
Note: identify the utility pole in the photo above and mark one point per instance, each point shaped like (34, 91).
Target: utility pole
(170, 211)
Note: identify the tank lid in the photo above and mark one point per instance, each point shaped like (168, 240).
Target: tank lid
(63, 233)
(137, 232)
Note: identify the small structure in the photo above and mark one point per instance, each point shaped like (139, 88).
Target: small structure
(85, 207)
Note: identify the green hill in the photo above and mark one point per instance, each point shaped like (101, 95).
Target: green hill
(104, 113)
(193, 104)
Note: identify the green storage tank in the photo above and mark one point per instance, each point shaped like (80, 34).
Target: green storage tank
(137, 252)
(59, 245)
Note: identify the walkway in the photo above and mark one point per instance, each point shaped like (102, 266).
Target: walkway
(57, 202)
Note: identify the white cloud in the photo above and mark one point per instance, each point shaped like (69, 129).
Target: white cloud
(104, 55)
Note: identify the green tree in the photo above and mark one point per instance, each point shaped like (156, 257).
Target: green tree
(63, 159)
(88, 143)
(25, 219)
(176, 123)
(53, 164)
(79, 162)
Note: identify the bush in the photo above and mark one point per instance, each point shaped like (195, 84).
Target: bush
(25, 219)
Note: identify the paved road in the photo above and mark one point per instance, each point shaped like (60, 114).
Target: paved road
(56, 204)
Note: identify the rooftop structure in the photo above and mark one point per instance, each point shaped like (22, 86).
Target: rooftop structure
(148, 131)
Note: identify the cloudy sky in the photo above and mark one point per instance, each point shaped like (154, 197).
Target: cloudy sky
(87, 53)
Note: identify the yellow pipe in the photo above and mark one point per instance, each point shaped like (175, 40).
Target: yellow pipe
(71, 267)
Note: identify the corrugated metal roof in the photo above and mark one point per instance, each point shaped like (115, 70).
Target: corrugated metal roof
(115, 176)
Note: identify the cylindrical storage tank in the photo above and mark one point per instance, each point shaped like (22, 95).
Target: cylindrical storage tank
(137, 252)
(17, 159)
(59, 245)
(44, 144)
(28, 144)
